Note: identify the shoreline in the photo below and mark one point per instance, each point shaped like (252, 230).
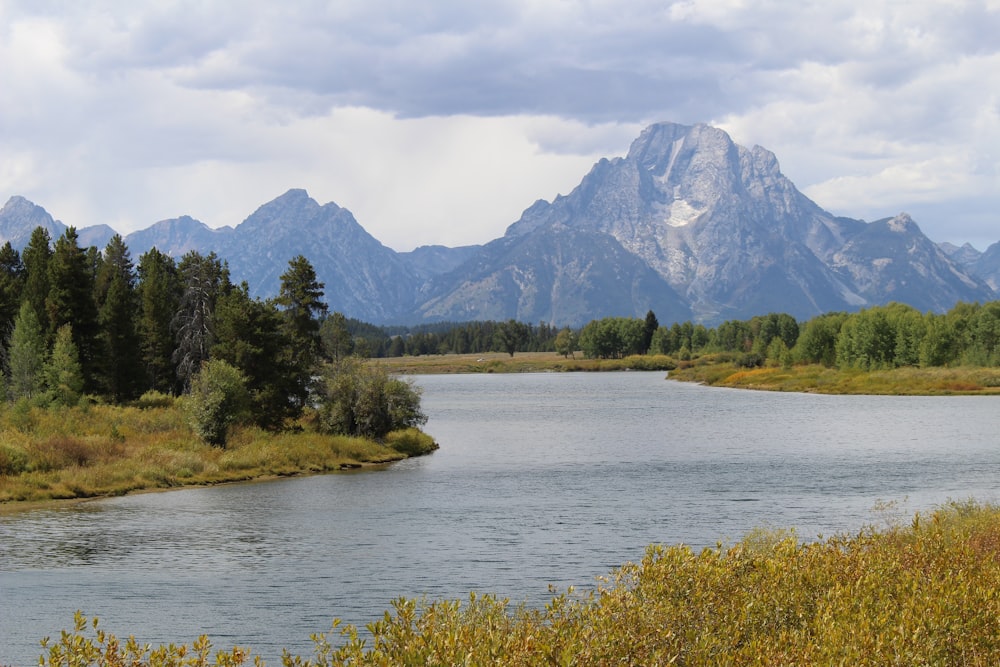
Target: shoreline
(9, 507)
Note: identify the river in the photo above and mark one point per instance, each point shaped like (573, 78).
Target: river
(541, 479)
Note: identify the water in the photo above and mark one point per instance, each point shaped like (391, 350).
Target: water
(541, 479)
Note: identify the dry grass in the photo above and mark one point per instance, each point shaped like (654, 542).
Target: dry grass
(819, 379)
(521, 362)
(102, 450)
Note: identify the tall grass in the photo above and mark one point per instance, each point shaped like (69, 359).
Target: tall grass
(102, 450)
(926, 593)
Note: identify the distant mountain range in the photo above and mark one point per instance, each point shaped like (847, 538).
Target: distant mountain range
(688, 224)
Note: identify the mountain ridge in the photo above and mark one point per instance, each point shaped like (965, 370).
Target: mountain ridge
(688, 224)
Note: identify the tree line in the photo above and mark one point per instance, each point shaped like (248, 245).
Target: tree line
(879, 337)
(81, 322)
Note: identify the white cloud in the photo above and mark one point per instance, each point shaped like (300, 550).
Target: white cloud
(439, 122)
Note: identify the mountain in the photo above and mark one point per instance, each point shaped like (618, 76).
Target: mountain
(177, 236)
(554, 275)
(19, 218)
(362, 277)
(688, 224)
(734, 237)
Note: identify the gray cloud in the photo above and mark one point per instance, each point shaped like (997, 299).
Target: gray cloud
(862, 101)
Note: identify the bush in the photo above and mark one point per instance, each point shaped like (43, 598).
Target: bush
(219, 399)
(154, 399)
(364, 400)
(411, 442)
(13, 460)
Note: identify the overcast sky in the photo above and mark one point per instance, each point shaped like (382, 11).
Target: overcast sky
(439, 122)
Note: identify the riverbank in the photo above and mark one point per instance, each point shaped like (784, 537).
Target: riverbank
(60, 454)
(819, 379)
(521, 362)
(923, 592)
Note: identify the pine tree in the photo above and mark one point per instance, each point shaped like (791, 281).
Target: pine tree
(249, 336)
(71, 301)
(159, 296)
(36, 257)
(204, 279)
(301, 297)
(122, 375)
(63, 373)
(26, 355)
(11, 286)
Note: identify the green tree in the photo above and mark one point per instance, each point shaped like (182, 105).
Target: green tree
(337, 340)
(818, 342)
(36, 257)
(12, 277)
(218, 400)
(118, 303)
(650, 325)
(71, 301)
(26, 355)
(301, 300)
(159, 293)
(204, 279)
(364, 400)
(510, 336)
(867, 341)
(63, 372)
(566, 342)
(250, 336)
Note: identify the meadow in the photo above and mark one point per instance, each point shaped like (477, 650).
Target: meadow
(96, 450)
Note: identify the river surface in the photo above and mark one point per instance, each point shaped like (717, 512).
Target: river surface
(541, 479)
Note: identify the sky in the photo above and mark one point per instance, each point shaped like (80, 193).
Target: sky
(439, 122)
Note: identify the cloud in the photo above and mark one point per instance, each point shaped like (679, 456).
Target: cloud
(437, 122)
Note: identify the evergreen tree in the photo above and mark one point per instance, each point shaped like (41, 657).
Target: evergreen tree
(26, 355)
(36, 257)
(11, 286)
(71, 301)
(159, 294)
(63, 373)
(650, 325)
(301, 297)
(204, 279)
(249, 335)
(119, 308)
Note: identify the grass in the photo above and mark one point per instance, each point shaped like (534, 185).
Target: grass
(908, 381)
(923, 593)
(521, 362)
(102, 450)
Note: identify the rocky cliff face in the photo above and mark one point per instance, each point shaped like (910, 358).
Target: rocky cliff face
(687, 224)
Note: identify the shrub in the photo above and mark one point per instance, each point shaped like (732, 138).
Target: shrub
(154, 399)
(411, 442)
(364, 400)
(13, 459)
(219, 399)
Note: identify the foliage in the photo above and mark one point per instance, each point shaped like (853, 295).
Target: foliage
(203, 278)
(70, 301)
(364, 400)
(219, 399)
(566, 343)
(916, 594)
(612, 337)
(411, 441)
(77, 649)
(26, 355)
(63, 373)
(511, 336)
